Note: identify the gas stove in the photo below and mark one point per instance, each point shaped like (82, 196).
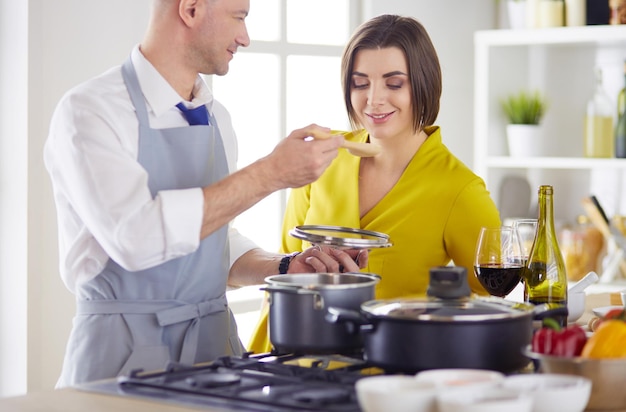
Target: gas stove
(263, 382)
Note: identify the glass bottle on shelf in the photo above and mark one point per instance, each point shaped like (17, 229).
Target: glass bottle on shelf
(551, 13)
(575, 12)
(598, 132)
(545, 279)
(620, 128)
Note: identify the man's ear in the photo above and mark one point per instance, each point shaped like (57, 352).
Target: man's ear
(187, 10)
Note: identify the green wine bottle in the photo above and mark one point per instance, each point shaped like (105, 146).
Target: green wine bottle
(620, 128)
(545, 279)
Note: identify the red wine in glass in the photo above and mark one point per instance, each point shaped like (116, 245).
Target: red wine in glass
(499, 279)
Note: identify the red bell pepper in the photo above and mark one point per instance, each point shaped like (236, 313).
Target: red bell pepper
(551, 339)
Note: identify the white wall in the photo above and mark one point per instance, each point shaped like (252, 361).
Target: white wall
(46, 47)
(13, 198)
(451, 25)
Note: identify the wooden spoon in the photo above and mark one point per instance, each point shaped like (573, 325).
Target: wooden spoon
(361, 149)
(355, 148)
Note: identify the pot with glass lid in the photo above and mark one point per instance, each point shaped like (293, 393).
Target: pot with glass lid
(298, 305)
(449, 328)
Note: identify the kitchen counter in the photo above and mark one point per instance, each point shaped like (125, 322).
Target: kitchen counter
(74, 400)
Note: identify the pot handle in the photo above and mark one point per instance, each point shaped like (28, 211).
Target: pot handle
(318, 300)
(355, 322)
(549, 310)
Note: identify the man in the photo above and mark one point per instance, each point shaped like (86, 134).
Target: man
(145, 194)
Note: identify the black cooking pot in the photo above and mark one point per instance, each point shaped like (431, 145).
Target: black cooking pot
(447, 329)
(298, 306)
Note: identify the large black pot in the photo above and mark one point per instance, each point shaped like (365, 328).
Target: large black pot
(448, 329)
(298, 306)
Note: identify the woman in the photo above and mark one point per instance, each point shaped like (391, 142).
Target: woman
(430, 204)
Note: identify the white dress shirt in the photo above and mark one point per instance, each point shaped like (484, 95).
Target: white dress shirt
(104, 207)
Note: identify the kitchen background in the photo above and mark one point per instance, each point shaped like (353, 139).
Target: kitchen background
(46, 47)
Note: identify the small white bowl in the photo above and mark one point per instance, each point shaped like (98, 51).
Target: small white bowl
(495, 399)
(575, 305)
(398, 393)
(461, 378)
(553, 392)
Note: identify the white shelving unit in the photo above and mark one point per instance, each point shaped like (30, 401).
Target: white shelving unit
(560, 63)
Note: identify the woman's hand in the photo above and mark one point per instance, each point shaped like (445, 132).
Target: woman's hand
(324, 259)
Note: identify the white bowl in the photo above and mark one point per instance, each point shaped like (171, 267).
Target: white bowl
(495, 399)
(553, 392)
(460, 378)
(575, 305)
(607, 377)
(398, 393)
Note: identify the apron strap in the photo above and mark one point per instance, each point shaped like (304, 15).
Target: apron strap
(136, 95)
(167, 312)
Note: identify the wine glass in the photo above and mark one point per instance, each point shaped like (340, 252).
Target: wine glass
(526, 229)
(498, 262)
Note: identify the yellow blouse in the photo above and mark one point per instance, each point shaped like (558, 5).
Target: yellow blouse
(432, 215)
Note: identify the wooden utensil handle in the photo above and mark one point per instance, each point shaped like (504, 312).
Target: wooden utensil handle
(598, 220)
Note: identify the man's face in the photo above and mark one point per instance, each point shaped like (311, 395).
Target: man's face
(221, 31)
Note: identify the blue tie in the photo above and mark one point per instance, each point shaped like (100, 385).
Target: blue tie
(196, 116)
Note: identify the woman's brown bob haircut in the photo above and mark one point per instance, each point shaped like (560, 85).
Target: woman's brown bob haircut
(408, 35)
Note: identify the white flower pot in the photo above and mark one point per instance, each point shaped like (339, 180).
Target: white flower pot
(517, 13)
(525, 140)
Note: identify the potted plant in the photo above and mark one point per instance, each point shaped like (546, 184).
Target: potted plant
(524, 111)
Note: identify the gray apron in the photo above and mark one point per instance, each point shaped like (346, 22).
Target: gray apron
(176, 311)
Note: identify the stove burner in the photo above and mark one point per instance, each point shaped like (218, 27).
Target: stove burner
(259, 383)
(322, 396)
(214, 380)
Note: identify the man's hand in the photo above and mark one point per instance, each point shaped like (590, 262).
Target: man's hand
(302, 157)
(328, 260)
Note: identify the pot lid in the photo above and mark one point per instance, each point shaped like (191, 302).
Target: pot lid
(449, 299)
(342, 237)
(432, 309)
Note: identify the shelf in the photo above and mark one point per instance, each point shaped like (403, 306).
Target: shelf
(553, 36)
(580, 163)
(560, 62)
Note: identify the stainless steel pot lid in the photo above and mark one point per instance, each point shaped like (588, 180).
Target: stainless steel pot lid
(342, 237)
(429, 309)
(320, 281)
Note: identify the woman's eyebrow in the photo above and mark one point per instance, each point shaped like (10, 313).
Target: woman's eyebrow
(390, 74)
(394, 73)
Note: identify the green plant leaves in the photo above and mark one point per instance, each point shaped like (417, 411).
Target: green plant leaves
(524, 107)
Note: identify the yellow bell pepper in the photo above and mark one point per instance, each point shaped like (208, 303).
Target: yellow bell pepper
(608, 341)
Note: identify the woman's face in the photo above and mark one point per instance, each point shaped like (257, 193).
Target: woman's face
(380, 92)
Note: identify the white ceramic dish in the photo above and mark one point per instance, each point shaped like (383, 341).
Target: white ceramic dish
(495, 399)
(553, 392)
(575, 305)
(398, 393)
(446, 379)
(604, 310)
(607, 377)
